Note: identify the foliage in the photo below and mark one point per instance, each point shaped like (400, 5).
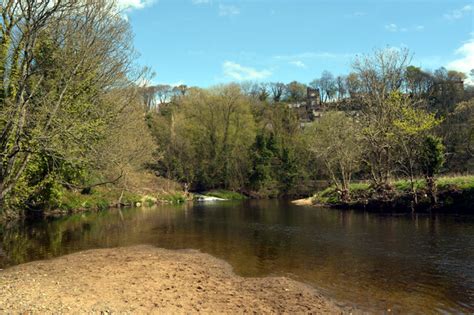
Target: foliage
(362, 191)
(432, 155)
(72, 118)
(456, 182)
(173, 198)
(457, 131)
(205, 138)
(98, 199)
(66, 96)
(262, 154)
(412, 126)
(336, 142)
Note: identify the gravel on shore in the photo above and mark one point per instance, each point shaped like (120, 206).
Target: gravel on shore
(145, 279)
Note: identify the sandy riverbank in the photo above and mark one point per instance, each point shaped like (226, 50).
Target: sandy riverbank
(145, 279)
(303, 202)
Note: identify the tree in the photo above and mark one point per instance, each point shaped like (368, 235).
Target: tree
(295, 92)
(447, 90)
(336, 142)
(353, 85)
(126, 146)
(328, 85)
(418, 83)
(205, 138)
(380, 75)
(164, 93)
(432, 161)
(457, 131)
(180, 90)
(58, 62)
(262, 154)
(341, 87)
(412, 126)
(289, 151)
(277, 89)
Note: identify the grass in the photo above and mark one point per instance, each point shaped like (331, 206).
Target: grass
(456, 182)
(225, 194)
(404, 185)
(98, 199)
(173, 198)
(359, 186)
(328, 195)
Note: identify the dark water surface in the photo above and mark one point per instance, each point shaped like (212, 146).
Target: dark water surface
(421, 264)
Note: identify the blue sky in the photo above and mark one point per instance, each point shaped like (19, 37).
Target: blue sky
(207, 42)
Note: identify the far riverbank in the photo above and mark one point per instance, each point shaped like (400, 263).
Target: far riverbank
(454, 195)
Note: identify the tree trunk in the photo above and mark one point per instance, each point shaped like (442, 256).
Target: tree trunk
(432, 191)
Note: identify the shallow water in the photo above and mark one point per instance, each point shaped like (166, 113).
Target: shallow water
(422, 264)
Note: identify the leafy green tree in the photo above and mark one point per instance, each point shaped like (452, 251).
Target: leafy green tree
(290, 169)
(295, 92)
(59, 62)
(262, 155)
(205, 136)
(432, 161)
(412, 126)
(457, 131)
(336, 142)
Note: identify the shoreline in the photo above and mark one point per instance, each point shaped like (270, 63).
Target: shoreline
(153, 280)
(455, 195)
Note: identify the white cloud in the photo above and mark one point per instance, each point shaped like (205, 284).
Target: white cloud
(228, 10)
(391, 27)
(395, 28)
(298, 63)
(134, 4)
(465, 62)
(197, 2)
(459, 13)
(238, 72)
(313, 55)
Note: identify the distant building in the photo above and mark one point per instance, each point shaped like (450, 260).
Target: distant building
(309, 109)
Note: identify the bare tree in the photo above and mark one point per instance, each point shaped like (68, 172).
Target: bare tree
(277, 89)
(341, 87)
(380, 75)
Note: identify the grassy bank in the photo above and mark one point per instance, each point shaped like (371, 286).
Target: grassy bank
(101, 199)
(112, 197)
(455, 194)
(140, 190)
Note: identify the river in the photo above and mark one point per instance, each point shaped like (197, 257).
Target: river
(420, 264)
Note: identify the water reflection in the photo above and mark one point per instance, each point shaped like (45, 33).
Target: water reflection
(403, 263)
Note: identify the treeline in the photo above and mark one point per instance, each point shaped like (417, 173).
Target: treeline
(71, 116)
(386, 119)
(222, 138)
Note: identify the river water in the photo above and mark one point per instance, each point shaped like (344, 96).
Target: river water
(416, 264)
